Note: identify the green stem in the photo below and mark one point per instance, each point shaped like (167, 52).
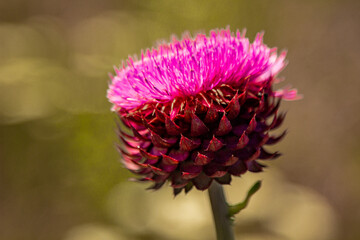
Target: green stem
(220, 209)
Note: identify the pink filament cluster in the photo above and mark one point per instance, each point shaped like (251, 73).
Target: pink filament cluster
(190, 66)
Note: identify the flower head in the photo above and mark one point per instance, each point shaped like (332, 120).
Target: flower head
(199, 109)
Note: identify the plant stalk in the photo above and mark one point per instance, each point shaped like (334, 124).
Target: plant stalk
(220, 209)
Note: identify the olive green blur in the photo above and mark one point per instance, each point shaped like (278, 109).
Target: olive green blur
(61, 176)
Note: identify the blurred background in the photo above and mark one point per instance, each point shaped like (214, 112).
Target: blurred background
(60, 177)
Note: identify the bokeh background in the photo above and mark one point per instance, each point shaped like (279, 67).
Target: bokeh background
(60, 177)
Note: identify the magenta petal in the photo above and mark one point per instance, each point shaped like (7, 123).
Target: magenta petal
(194, 65)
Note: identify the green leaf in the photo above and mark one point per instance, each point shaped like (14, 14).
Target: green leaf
(234, 209)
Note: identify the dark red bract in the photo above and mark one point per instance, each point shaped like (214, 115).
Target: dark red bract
(194, 140)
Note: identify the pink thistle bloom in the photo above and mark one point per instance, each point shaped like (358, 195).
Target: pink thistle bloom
(199, 109)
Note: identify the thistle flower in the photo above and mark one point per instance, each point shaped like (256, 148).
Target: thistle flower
(199, 109)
